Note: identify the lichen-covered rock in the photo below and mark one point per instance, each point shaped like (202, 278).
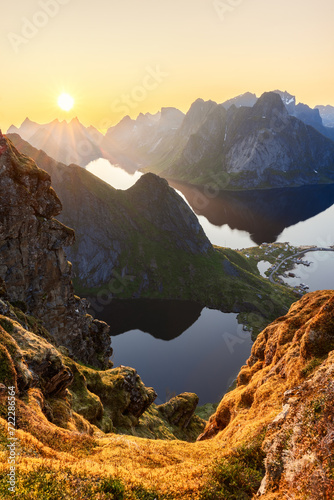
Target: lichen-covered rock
(13, 361)
(180, 409)
(7, 370)
(122, 393)
(300, 441)
(36, 362)
(33, 264)
(43, 361)
(83, 401)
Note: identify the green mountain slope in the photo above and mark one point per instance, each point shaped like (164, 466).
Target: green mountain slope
(146, 242)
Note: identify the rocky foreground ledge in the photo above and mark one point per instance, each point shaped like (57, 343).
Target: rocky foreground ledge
(271, 436)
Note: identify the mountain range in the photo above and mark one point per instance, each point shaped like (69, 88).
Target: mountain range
(66, 142)
(249, 148)
(217, 144)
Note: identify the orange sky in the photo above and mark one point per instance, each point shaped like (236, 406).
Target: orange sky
(126, 57)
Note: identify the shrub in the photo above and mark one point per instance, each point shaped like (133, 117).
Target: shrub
(237, 476)
(112, 487)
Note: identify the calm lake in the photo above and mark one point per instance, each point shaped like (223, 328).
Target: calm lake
(178, 347)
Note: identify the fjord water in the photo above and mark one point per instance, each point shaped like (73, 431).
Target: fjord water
(241, 219)
(301, 216)
(113, 175)
(318, 275)
(176, 346)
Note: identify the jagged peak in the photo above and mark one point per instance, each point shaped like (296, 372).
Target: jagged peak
(202, 102)
(28, 121)
(269, 102)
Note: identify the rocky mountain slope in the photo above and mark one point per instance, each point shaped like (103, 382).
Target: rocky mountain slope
(272, 435)
(32, 258)
(287, 388)
(247, 99)
(306, 114)
(86, 432)
(146, 242)
(139, 143)
(133, 143)
(258, 147)
(327, 115)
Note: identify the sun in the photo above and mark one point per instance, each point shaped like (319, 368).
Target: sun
(65, 102)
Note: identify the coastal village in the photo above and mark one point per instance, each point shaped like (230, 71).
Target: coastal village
(279, 261)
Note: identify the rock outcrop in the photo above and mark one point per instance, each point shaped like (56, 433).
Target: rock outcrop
(287, 389)
(327, 115)
(69, 393)
(33, 264)
(75, 397)
(180, 409)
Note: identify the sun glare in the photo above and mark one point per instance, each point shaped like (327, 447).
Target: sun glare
(65, 102)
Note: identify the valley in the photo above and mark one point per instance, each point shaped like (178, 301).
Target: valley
(179, 347)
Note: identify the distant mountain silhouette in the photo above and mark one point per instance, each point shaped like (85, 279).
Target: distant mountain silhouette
(194, 146)
(327, 115)
(65, 142)
(133, 143)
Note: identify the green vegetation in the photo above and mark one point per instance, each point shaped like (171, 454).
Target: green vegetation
(224, 280)
(6, 325)
(63, 485)
(238, 476)
(311, 366)
(206, 410)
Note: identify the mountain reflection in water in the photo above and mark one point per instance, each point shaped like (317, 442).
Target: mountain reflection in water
(176, 346)
(163, 319)
(265, 213)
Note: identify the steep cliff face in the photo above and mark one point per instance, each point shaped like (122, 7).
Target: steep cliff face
(32, 260)
(258, 147)
(287, 389)
(327, 115)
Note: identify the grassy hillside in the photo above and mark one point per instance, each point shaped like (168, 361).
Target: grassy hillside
(274, 429)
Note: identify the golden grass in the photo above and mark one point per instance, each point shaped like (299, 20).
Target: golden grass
(177, 468)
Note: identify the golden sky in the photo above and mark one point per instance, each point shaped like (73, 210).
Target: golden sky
(118, 57)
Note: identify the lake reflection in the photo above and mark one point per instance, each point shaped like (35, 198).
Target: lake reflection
(192, 350)
(263, 215)
(241, 219)
(115, 176)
